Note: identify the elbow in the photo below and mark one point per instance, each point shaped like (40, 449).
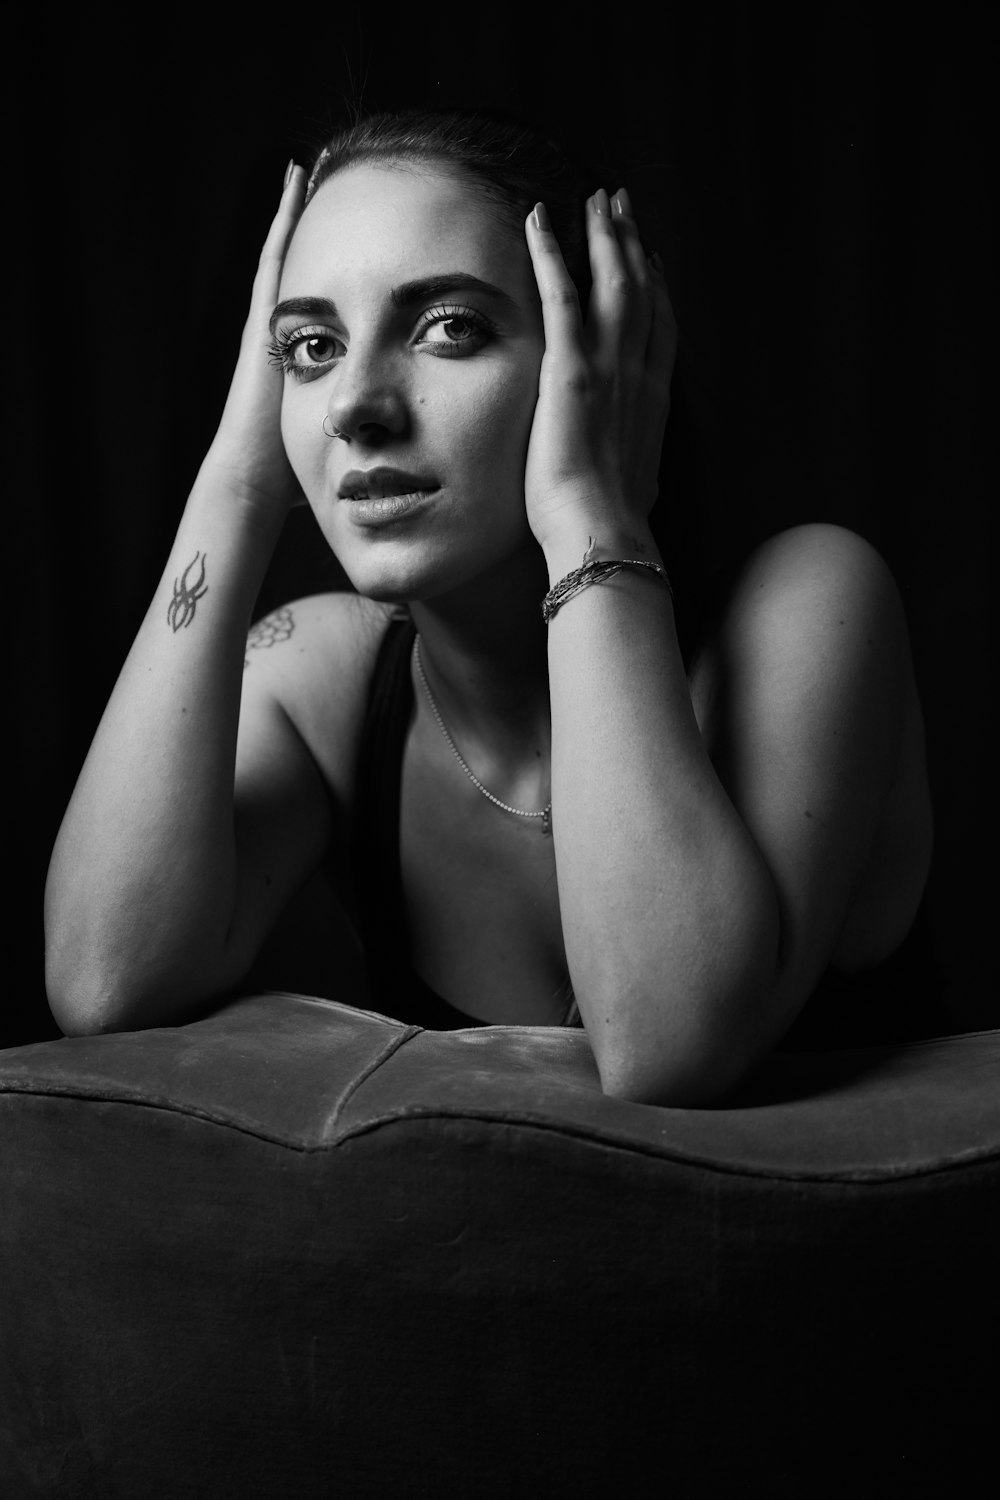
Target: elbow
(84, 970)
(86, 1002)
(699, 1081)
(688, 1046)
(83, 1009)
(681, 1022)
(74, 1019)
(80, 1003)
(90, 999)
(108, 972)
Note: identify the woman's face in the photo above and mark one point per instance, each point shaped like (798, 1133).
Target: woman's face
(409, 322)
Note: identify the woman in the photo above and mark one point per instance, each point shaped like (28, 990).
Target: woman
(533, 806)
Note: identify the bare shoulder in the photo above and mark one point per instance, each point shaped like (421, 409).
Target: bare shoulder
(818, 571)
(806, 695)
(313, 657)
(320, 631)
(813, 609)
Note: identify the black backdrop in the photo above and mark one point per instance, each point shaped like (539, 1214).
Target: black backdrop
(816, 178)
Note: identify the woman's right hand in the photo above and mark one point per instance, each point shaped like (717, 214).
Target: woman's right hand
(247, 455)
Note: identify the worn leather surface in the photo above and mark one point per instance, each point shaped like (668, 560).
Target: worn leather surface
(295, 1249)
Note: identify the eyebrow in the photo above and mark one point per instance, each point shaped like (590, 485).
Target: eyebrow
(425, 289)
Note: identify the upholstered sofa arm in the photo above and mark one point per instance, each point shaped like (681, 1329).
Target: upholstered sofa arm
(296, 1249)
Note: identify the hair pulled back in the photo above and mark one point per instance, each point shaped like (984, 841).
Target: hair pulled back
(510, 164)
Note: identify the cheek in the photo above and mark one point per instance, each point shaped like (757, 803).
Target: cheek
(496, 421)
(302, 433)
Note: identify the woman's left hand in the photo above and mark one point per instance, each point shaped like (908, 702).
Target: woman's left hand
(604, 385)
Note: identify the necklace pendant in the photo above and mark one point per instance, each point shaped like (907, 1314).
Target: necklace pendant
(547, 822)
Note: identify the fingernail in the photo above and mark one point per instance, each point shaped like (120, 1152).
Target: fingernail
(622, 204)
(657, 263)
(541, 217)
(601, 202)
(288, 173)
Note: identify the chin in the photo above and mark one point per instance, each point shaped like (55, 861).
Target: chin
(395, 577)
(385, 593)
(427, 563)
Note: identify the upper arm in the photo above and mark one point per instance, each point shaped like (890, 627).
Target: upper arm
(281, 818)
(803, 713)
(299, 720)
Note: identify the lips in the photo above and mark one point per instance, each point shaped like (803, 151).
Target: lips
(383, 484)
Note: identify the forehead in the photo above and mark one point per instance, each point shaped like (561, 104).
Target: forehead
(374, 225)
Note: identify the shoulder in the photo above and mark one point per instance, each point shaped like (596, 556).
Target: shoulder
(312, 636)
(811, 571)
(311, 661)
(810, 641)
(805, 694)
(808, 604)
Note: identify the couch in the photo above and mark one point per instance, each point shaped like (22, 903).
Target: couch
(299, 1250)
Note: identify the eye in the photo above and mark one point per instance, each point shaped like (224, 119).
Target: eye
(451, 331)
(305, 352)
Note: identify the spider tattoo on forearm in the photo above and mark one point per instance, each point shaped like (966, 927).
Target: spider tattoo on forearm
(187, 592)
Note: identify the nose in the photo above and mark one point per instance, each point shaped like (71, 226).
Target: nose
(368, 401)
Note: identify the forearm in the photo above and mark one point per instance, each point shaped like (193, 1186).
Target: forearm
(669, 913)
(143, 879)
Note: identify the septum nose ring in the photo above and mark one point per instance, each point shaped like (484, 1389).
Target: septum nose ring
(335, 431)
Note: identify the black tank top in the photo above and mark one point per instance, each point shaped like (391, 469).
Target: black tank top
(396, 988)
(897, 1000)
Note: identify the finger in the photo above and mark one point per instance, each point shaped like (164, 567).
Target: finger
(609, 275)
(630, 241)
(561, 316)
(620, 300)
(272, 254)
(267, 278)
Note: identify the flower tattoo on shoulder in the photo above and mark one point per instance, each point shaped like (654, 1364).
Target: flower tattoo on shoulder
(269, 631)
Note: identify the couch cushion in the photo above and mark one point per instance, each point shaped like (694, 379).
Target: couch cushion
(310, 1073)
(295, 1249)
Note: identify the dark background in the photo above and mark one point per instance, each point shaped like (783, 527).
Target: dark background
(816, 179)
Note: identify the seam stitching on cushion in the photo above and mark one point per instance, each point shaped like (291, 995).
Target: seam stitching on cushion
(366, 1073)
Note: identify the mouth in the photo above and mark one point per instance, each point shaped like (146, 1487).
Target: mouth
(385, 484)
